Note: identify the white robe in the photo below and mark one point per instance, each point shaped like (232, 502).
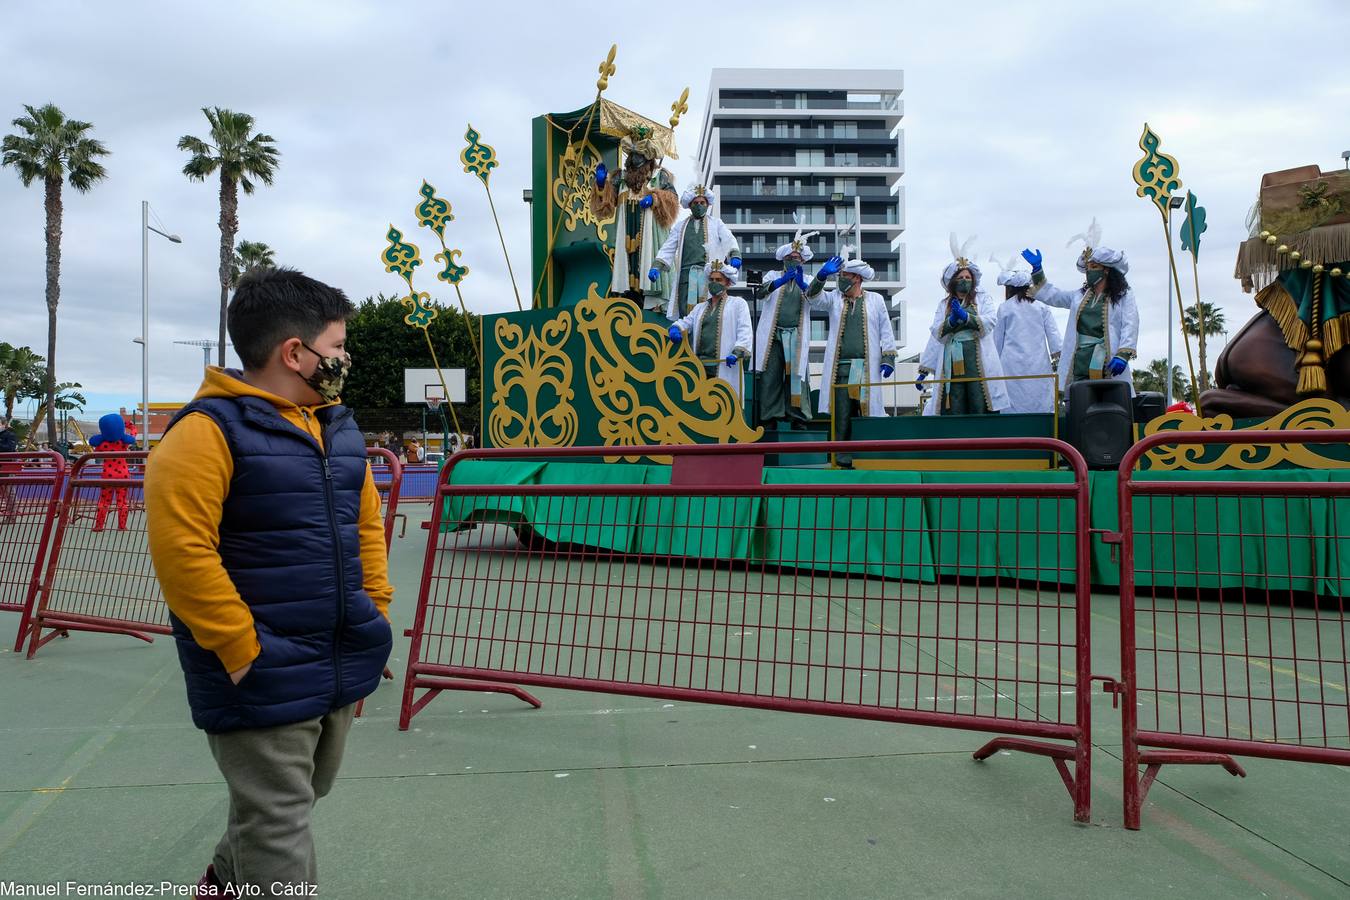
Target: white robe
(764, 331)
(996, 389)
(880, 337)
(734, 335)
(716, 234)
(1122, 332)
(1026, 337)
(930, 361)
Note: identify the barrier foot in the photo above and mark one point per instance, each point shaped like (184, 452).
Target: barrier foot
(1156, 759)
(43, 641)
(1060, 754)
(434, 687)
(65, 629)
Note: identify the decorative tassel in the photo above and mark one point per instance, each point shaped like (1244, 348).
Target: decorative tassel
(1312, 378)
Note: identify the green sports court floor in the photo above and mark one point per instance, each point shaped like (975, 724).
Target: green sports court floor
(103, 778)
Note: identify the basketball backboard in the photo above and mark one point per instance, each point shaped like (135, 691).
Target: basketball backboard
(419, 384)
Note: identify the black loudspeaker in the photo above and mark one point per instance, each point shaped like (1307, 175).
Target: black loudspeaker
(1100, 421)
(1148, 405)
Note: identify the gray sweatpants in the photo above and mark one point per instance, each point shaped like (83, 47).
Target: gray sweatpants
(274, 776)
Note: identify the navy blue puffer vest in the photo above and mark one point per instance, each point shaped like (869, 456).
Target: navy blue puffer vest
(289, 541)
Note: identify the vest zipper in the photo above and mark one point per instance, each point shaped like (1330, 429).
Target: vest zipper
(341, 576)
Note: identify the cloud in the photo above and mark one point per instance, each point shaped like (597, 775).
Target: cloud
(1021, 124)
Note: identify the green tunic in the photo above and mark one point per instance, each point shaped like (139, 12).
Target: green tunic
(708, 348)
(966, 397)
(775, 390)
(1091, 332)
(693, 254)
(852, 345)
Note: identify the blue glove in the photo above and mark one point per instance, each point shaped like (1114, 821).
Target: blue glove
(601, 173)
(647, 201)
(732, 360)
(734, 262)
(799, 277)
(831, 267)
(958, 314)
(1034, 258)
(918, 381)
(653, 273)
(887, 371)
(1116, 366)
(781, 280)
(675, 334)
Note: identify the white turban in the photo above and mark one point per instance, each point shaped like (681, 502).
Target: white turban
(697, 190)
(1105, 256)
(1014, 277)
(731, 272)
(955, 266)
(859, 268)
(798, 245)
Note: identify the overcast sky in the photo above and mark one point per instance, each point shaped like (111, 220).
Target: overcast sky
(1021, 124)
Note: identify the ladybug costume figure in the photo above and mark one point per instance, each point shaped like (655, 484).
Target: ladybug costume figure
(112, 436)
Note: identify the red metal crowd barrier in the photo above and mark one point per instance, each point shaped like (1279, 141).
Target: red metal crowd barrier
(1234, 626)
(30, 494)
(388, 474)
(99, 576)
(958, 605)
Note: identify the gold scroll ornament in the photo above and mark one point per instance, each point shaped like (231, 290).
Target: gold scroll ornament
(624, 352)
(1315, 414)
(572, 189)
(532, 401)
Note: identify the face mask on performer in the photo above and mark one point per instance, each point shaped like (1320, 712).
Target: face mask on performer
(1094, 276)
(716, 289)
(963, 285)
(699, 208)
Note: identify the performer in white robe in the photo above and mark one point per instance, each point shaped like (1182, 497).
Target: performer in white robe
(782, 338)
(860, 347)
(1028, 342)
(963, 324)
(642, 200)
(1103, 329)
(718, 329)
(683, 257)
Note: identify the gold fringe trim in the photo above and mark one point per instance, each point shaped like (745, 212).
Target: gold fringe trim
(1326, 244)
(1274, 299)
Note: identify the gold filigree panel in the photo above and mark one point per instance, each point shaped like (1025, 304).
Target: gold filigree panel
(572, 189)
(627, 358)
(532, 394)
(1308, 415)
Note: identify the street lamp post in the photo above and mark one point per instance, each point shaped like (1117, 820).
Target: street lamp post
(144, 340)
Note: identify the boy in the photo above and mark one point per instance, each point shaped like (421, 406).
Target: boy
(266, 534)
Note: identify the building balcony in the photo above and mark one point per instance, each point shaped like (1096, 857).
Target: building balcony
(771, 192)
(879, 137)
(789, 104)
(830, 161)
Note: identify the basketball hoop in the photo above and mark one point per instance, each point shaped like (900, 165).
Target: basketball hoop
(434, 403)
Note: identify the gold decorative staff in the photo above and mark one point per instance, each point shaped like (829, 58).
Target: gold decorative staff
(1157, 175)
(401, 258)
(434, 212)
(480, 159)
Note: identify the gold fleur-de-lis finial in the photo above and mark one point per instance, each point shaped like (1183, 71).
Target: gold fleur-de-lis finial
(679, 108)
(606, 69)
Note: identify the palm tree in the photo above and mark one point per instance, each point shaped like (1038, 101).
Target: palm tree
(1154, 378)
(239, 156)
(1214, 324)
(68, 399)
(22, 374)
(53, 149)
(250, 255)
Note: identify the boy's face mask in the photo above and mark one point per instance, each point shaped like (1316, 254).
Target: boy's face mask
(716, 289)
(329, 375)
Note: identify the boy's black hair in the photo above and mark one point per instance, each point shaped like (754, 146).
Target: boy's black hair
(273, 305)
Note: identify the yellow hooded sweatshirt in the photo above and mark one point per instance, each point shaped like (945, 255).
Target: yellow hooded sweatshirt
(186, 482)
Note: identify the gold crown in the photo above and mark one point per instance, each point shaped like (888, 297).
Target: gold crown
(963, 263)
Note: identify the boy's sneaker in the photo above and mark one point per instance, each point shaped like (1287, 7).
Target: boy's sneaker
(209, 885)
